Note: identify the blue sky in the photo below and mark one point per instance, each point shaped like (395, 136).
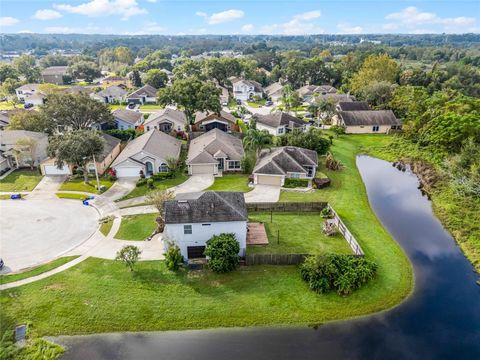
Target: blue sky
(238, 17)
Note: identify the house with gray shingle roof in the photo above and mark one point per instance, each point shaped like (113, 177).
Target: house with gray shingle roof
(167, 120)
(214, 152)
(246, 89)
(367, 121)
(54, 74)
(147, 153)
(143, 95)
(206, 121)
(275, 165)
(112, 94)
(274, 91)
(307, 92)
(279, 123)
(192, 219)
(127, 119)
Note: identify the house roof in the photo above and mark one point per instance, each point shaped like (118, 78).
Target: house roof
(10, 137)
(55, 70)
(273, 88)
(203, 148)
(114, 78)
(336, 98)
(353, 106)
(28, 87)
(78, 90)
(257, 86)
(167, 113)
(210, 206)
(309, 90)
(279, 118)
(129, 116)
(113, 91)
(145, 90)
(280, 161)
(111, 143)
(201, 116)
(368, 117)
(4, 119)
(153, 142)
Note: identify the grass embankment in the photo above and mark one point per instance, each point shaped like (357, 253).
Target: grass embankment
(299, 234)
(106, 226)
(233, 182)
(158, 185)
(80, 185)
(136, 227)
(20, 180)
(73, 196)
(5, 279)
(152, 298)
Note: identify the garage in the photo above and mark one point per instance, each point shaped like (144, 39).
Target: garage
(123, 172)
(202, 169)
(269, 180)
(54, 170)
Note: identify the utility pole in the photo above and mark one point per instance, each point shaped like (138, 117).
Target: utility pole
(96, 172)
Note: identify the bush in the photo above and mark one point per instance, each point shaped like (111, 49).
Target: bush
(141, 182)
(248, 163)
(332, 164)
(124, 135)
(173, 258)
(295, 183)
(312, 139)
(342, 273)
(326, 213)
(337, 130)
(150, 184)
(222, 251)
(162, 176)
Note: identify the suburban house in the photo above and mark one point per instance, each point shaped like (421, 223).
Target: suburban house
(116, 81)
(193, 218)
(77, 89)
(148, 154)
(246, 90)
(29, 93)
(143, 95)
(167, 120)
(333, 98)
(279, 123)
(214, 152)
(127, 119)
(205, 121)
(224, 96)
(54, 74)
(23, 148)
(367, 121)
(307, 92)
(111, 149)
(275, 165)
(112, 94)
(274, 91)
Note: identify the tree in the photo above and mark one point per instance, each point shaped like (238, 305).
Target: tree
(255, 140)
(25, 65)
(76, 148)
(187, 69)
(312, 139)
(290, 98)
(377, 94)
(157, 199)
(128, 255)
(25, 146)
(156, 78)
(30, 121)
(54, 60)
(173, 256)
(7, 72)
(86, 70)
(192, 95)
(375, 68)
(75, 112)
(135, 78)
(222, 251)
(7, 90)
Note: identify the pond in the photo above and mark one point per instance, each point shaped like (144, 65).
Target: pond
(440, 320)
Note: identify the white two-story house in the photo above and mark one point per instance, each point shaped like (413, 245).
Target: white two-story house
(246, 90)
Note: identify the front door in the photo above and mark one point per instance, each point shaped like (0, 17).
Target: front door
(195, 252)
(149, 168)
(221, 163)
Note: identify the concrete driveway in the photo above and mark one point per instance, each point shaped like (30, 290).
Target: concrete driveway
(263, 193)
(119, 189)
(37, 230)
(47, 187)
(195, 183)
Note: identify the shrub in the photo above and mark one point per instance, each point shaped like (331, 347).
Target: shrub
(326, 213)
(337, 130)
(128, 255)
(222, 251)
(150, 184)
(141, 182)
(342, 273)
(332, 164)
(312, 139)
(248, 162)
(295, 183)
(173, 258)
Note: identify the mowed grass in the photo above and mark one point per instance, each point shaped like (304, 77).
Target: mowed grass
(4, 279)
(159, 185)
(231, 182)
(80, 185)
(300, 233)
(104, 296)
(73, 196)
(21, 180)
(136, 227)
(106, 227)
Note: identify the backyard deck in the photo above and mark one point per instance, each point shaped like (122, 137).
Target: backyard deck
(257, 235)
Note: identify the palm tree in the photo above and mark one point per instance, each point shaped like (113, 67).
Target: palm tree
(256, 140)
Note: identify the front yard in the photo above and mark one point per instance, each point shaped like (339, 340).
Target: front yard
(299, 234)
(232, 182)
(80, 185)
(21, 180)
(136, 227)
(158, 185)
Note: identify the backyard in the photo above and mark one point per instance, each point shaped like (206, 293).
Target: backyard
(299, 234)
(231, 182)
(136, 227)
(158, 185)
(20, 180)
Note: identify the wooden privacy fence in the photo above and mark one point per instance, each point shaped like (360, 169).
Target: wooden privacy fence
(357, 250)
(287, 206)
(274, 259)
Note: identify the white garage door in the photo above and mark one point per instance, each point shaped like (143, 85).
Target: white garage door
(123, 172)
(269, 180)
(54, 170)
(203, 169)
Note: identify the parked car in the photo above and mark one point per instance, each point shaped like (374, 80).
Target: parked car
(131, 106)
(269, 103)
(1, 264)
(225, 103)
(239, 102)
(28, 106)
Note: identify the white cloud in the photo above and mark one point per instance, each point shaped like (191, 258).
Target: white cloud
(8, 21)
(46, 14)
(152, 1)
(346, 28)
(221, 17)
(411, 15)
(25, 32)
(61, 30)
(96, 8)
(300, 24)
(247, 28)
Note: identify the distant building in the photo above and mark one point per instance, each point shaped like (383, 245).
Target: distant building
(54, 74)
(279, 123)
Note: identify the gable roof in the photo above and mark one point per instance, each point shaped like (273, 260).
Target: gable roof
(309, 90)
(353, 106)
(110, 143)
(280, 161)
(114, 91)
(55, 70)
(153, 142)
(279, 118)
(129, 116)
(210, 206)
(168, 113)
(203, 148)
(257, 86)
(114, 78)
(368, 117)
(10, 137)
(201, 116)
(336, 98)
(273, 88)
(145, 90)
(28, 87)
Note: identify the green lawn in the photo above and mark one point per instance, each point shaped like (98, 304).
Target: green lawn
(299, 234)
(66, 195)
(4, 105)
(231, 182)
(4, 279)
(159, 185)
(151, 107)
(136, 227)
(256, 104)
(80, 185)
(106, 227)
(21, 180)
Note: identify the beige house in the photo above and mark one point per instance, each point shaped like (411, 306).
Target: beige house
(23, 148)
(166, 120)
(206, 121)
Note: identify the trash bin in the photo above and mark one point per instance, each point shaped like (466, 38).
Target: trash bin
(15, 196)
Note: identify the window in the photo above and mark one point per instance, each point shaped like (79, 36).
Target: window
(376, 128)
(234, 164)
(206, 224)
(148, 128)
(163, 168)
(187, 229)
(280, 131)
(295, 175)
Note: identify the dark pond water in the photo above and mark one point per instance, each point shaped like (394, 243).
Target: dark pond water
(441, 320)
